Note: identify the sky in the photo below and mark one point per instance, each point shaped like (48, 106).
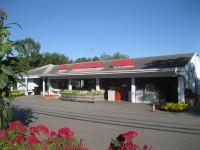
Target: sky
(87, 28)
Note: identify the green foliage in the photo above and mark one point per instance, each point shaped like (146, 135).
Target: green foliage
(177, 107)
(117, 55)
(54, 58)
(83, 59)
(30, 50)
(8, 70)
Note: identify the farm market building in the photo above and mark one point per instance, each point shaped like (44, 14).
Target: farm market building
(138, 80)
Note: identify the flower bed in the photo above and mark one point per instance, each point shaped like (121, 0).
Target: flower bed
(82, 96)
(17, 137)
(177, 107)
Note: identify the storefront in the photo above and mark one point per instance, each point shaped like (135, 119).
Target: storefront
(138, 80)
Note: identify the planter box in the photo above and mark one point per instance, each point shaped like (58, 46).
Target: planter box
(82, 97)
(49, 97)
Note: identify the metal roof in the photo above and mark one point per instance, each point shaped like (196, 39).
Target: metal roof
(166, 62)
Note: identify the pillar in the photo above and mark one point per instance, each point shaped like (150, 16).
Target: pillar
(181, 95)
(26, 86)
(43, 86)
(97, 84)
(70, 84)
(133, 95)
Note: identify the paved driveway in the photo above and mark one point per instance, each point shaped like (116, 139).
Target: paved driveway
(96, 123)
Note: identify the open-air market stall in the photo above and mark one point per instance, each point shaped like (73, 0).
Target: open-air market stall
(138, 80)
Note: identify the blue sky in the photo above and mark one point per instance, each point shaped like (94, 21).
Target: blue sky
(136, 28)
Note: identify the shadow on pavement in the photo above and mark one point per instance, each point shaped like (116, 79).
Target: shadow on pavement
(25, 115)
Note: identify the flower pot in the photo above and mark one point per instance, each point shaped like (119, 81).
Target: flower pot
(190, 101)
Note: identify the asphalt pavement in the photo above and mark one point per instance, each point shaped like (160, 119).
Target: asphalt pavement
(97, 123)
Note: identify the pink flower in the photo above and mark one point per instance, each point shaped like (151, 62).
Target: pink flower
(16, 126)
(3, 135)
(44, 130)
(34, 130)
(129, 146)
(19, 139)
(129, 135)
(81, 142)
(52, 135)
(31, 139)
(66, 132)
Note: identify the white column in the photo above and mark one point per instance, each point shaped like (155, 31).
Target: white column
(181, 95)
(26, 86)
(133, 100)
(97, 84)
(69, 84)
(48, 86)
(43, 86)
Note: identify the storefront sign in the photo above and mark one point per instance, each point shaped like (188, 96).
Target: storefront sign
(123, 63)
(88, 65)
(62, 67)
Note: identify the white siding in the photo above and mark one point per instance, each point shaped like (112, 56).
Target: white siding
(192, 79)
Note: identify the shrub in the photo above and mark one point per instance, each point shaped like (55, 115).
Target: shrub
(177, 107)
(125, 142)
(38, 137)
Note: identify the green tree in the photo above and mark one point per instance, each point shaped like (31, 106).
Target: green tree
(95, 58)
(54, 58)
(105, 56)
(83, 59)
(30, 50)
(8, 71)
(119, 56)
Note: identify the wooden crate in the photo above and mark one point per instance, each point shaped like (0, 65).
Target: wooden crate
(82, 97)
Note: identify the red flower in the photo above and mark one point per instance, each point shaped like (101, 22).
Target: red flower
(34, 130)
(31, 139)
(16, 126)
(52, 135)
(44, 130)
(129, 135)
(66, 132)
(19, 139)
(3, 135)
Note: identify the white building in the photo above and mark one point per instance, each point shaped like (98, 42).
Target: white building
(139, 80)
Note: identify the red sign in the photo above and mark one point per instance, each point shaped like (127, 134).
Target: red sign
(123, 63)
(62, 67)
(88, 65)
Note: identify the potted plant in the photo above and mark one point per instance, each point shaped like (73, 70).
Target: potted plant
(190, 97)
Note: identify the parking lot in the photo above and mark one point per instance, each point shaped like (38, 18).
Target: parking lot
(98, 122)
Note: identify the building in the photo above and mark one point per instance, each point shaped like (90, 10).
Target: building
(139, 80)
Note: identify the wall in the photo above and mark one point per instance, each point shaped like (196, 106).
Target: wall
(192, 74)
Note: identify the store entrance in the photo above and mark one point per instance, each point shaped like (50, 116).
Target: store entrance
(151, 90)
(84, 84)
(120, 85)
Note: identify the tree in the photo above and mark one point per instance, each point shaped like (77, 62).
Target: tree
(8, 71)
(95, 58)
(105, 56)
(83, 59)
(29, 49)
(54, 58)
(119, 56)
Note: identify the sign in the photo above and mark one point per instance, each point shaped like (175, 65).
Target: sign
(123, 63)
(62, 67)
(88, 65)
